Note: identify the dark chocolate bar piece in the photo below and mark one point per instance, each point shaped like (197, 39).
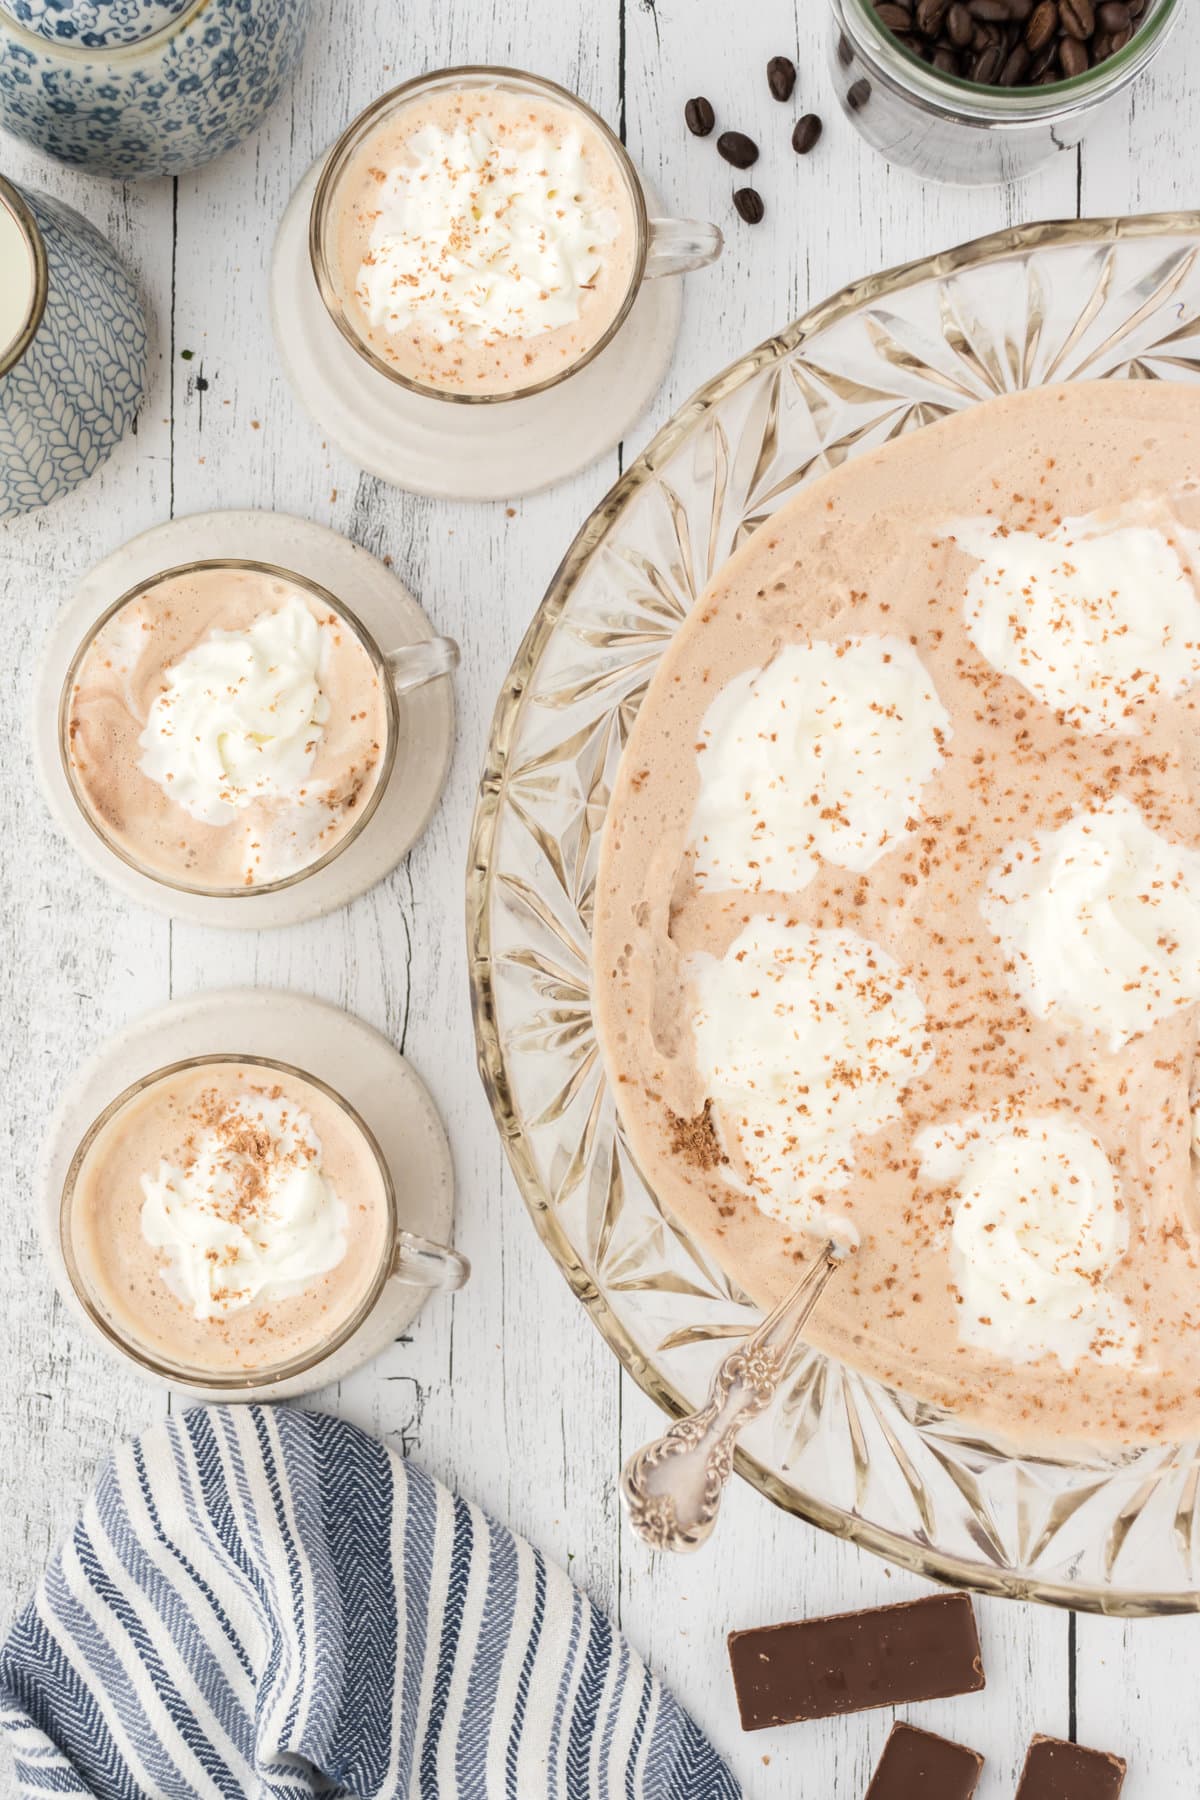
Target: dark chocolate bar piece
(892, 1656)
(917, 1765)
(1055, 1770)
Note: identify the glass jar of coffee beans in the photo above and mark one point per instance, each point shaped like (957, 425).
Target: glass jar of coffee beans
(979, 91)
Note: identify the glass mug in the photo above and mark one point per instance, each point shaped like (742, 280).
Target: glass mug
(399, 673)
(405, 1257)
(662, 246)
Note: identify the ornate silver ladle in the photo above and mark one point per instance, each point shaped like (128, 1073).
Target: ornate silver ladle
(672, 1488)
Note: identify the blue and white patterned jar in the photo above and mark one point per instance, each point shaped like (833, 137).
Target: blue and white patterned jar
(144, 87)
(72, 350)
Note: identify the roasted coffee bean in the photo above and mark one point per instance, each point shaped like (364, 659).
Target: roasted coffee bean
(700, 116)
(1044, 59)
(845, 52)
(959, 26)
(737, 149)
(1011, 43)
(987, 65)
(1015, 69)
(1073, 56)
(1042, 26)
(858, 96)
(749, 204)
(808, 130)
(781, 77)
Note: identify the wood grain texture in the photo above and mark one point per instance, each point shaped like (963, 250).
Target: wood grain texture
(506, 1391)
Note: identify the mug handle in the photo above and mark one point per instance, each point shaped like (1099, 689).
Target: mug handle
(677, 245)
(420, 1263)
(418, 664)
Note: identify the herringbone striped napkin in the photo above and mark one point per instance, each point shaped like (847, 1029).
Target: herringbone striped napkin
(259, 1602)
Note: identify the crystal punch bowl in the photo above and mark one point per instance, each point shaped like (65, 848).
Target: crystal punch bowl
(1094, 300)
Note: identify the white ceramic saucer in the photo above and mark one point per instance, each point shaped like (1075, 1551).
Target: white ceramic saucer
(371, 591)
(352, 1058)
(461, 452)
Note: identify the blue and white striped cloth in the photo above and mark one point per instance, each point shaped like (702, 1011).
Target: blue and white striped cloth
(267, 1604)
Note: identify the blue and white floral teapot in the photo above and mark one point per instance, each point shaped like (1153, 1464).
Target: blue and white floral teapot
(144, 87)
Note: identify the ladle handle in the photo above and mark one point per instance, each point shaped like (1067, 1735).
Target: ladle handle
(672, 1488)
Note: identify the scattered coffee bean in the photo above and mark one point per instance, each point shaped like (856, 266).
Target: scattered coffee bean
(749, 204)
(808, 130)
(859, 94)
(738, 149)
(1009, 43)
(781, 77)
(700, 116)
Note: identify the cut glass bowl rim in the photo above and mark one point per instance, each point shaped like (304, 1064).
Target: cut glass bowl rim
(926, 1560)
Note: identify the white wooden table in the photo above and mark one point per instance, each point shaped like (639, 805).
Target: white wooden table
(507, 1392)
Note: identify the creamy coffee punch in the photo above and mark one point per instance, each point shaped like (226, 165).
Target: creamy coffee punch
(897, 929)
(229, 1218)
(483, 240)
(226, 728)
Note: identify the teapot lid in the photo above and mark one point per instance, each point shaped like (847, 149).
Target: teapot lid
(95, 24)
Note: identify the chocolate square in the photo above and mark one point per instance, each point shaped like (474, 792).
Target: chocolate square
(892, 1656)
(918, 1765)
(1056, 1770)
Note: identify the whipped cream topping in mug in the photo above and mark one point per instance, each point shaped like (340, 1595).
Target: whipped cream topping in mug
(477, 235)
(226, 728)
(248, 1210)
(240, 715)
(482, 238)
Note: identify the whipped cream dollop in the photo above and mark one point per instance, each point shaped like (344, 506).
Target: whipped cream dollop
(474, 235)
(805, 1041)
(822, 753)
(249, 1212)
(240, 716)
(1097, 617)
(1038, 1226)
(1101, 922)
